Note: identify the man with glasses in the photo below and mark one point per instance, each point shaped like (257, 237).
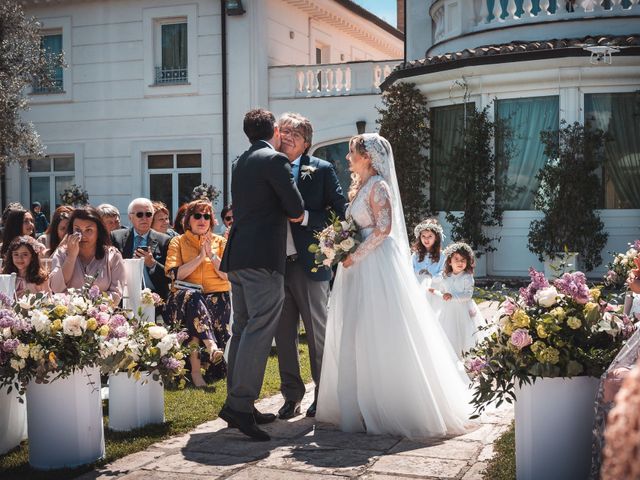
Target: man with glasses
(140, 241)
(306, 292)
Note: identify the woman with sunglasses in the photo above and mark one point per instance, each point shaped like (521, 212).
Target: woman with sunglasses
(227, 220)
(56, 230)
(194, 257)
(85, 252)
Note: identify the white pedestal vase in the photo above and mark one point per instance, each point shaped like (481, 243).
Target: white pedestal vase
(148, 313)
(65, 421)
(561, 263)
(133, 269)
(13, 420)
(134, 404)
(554, 418)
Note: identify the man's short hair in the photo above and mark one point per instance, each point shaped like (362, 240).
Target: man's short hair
(259, 124)
(140, 201)
(107, 210)
(298, 123)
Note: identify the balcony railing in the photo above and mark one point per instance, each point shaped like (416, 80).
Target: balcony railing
(451, 18)
(329, 80)
(171, 76)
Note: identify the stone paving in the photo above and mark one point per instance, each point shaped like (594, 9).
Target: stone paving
(303, 449)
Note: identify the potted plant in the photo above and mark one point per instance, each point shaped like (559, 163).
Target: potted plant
(570, 228)
(138, 365)
(57, 343)
(548, 349)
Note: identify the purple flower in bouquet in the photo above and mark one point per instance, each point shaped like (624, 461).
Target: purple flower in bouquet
(5, 300)
(102, 318)
(171, 363)
(574, 285)
(538, 282)
(636, 245)
(9, 345)
(521, 338)
(475, 365)
(94, 292)
(8, 319)
(182, 336)
(508, 307)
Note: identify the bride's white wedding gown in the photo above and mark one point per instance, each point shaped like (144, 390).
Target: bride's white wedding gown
(388, 367)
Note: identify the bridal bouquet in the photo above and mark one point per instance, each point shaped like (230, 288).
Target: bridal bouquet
(562, 329)
(335, 242)
(43, 337)
(621, 266)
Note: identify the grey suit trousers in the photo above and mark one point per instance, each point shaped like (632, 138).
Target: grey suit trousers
(307, 299)
(258, 296)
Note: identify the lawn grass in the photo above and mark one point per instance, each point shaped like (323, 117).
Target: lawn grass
(184, 410)
(502, 465)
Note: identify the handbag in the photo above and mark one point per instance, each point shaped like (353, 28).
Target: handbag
(182, 285)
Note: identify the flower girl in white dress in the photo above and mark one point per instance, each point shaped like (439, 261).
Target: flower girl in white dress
(387, 366)
(459, 315)
(427, 258)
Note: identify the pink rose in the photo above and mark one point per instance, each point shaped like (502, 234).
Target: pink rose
(520, 338)
(508, 307)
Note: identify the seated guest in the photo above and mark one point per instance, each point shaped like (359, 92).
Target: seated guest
(194, 257)
(22, 259)
(56, 230)
(141, 241)
(19, 222)
(227, 220)
(161, 222)
(87, 252)
(178, 226)
(110, 215)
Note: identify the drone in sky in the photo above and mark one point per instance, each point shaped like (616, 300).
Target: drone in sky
(601, 54)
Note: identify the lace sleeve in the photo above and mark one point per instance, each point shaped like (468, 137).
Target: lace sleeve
(380, 204)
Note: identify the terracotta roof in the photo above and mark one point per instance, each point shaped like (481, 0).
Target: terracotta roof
(515, 51)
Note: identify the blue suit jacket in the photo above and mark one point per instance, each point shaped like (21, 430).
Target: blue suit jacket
(321, 193)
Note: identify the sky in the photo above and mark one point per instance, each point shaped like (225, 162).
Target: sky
(385, 9)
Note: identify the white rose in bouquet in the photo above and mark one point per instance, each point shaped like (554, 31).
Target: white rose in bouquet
(157, 332)
(546, 297)
(347, 244)
(40, 321)
(74, 325)
(167, 343)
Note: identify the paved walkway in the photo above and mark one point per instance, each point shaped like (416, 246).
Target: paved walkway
(300, 449)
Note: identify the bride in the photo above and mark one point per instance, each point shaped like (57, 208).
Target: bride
(387, 367)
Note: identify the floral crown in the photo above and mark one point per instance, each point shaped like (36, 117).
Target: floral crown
(456, 247)
(428, 225)
(32, 242)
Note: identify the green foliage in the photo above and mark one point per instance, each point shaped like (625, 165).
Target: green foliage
(568, 195)
(502, 466)
(472, 171)
(403, 121)
(21, 60)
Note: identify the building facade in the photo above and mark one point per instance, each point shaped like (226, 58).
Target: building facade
(533, 65)
(151, 99)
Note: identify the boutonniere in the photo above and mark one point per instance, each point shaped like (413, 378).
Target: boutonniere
(306, 171)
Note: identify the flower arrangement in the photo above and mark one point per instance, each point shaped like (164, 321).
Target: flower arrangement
(44, 337)
(621, 265)
(205, 191)
(74, 195)
(335, 242)
(149, 298)
(148, 348)
(562, 329)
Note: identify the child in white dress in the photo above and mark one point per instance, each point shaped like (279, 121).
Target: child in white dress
(427, 257)
(459, 315)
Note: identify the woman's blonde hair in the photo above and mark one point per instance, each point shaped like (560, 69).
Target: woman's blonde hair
(358, 144)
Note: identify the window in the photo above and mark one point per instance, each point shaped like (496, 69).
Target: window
(172, 176)
(447, 124)
(336, 154)
(525, 118)
(618, 114)
(52, 44)
(172, 53)
(48, 178)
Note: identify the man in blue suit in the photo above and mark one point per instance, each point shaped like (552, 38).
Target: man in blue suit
(306, 292)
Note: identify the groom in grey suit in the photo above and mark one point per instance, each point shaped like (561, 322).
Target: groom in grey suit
(265, 199)
(306, 292)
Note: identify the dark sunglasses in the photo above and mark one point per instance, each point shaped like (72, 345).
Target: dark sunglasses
(144, 214)
(229, 217)
(198, 216)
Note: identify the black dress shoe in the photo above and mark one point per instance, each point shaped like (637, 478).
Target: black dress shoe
(311, 411)
(245, 422)
(263, 418)
(290, 409)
